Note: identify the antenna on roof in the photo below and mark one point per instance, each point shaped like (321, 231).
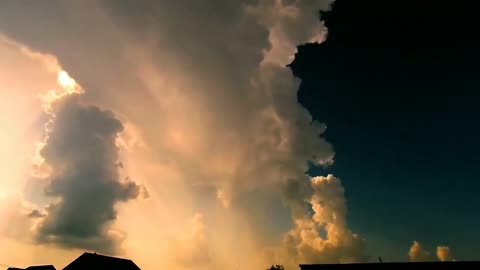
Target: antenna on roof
(380, 259)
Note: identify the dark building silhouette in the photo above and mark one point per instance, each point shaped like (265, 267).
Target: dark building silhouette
(396, 265)
(37, 267)
(96, 261)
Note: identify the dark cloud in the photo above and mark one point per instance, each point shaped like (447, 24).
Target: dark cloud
(82, 154)
(296, 193)
(35, 213)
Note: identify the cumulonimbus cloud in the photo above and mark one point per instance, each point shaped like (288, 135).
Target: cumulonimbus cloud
(76, 163)
(208, 88)
(82, 155)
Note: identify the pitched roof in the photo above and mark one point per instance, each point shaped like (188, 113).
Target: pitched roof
(96, 261)
(36, 267)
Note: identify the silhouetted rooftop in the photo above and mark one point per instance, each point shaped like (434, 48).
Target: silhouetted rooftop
(96, 261)
(399, 265)
(37, 267)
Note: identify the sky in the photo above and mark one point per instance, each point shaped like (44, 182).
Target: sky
(400, 101)
(183, 134)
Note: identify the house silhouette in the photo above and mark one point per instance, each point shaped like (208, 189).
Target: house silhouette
(394, 265)
(38, 267)
(97, 261)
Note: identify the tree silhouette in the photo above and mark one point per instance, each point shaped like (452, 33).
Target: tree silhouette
(276, 267)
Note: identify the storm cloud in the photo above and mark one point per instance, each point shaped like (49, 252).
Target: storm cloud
(215, 108)
(81, 153)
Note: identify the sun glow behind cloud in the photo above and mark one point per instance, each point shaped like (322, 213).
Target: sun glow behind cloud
(204, 135)
(31, 85)
(65, 86)
(67, 82)
(218, 127)
(24, 76)
(211, 134)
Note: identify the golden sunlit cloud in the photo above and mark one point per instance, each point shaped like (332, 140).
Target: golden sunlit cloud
(68, 86)
(210, 146)
(444, 254)
(209, 143)
(68, 83)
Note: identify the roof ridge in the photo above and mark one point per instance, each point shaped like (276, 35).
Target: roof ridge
(103, 255)
(93, 259)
